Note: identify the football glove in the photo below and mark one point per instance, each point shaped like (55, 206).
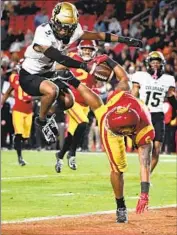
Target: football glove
(142, 204)
(132, 42)
(100, 59)
(97, 60)
(52, 124)
(48, 128)
(48, 134)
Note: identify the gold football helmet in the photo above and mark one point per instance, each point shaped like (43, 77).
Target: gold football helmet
(64, 20)
(155, 55)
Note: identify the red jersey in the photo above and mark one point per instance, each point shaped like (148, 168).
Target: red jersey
(168, 111)
(23, 101)
(84, 77)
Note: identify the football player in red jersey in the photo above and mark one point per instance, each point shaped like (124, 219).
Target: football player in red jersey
(21, 114)
(78, 113)
(123, 115)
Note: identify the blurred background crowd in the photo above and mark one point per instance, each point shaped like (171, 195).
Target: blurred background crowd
(152, 21)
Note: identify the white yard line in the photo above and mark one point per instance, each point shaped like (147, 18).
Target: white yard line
(88, 153)
(167, 160)
(70, 175)
(47, 176)
(74, 216)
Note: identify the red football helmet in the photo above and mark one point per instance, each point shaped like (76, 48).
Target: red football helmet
(83, 51)
(122, 121)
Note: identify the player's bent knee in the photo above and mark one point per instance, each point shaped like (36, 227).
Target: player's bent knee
(48, 88)
(69, 101)
(65, 101)
(53, 92)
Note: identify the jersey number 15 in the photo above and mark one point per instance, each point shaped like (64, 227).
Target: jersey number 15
(154, 97)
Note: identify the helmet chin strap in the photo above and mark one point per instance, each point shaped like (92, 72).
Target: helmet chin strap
(155, 74)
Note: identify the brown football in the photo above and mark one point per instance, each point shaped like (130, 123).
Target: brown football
(103, 72)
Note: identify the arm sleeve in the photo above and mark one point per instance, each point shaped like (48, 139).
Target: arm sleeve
(56, 55)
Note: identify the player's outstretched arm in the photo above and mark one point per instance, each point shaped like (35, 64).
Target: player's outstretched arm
(108, 37)
(120, 73)
(66, 61)
(55, 55)
(6, 95)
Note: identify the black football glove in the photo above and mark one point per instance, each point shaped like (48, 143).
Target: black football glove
(132, 42)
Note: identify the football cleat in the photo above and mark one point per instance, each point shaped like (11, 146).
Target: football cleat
(59, 164)
(122, 215)
(72, 162)
(21, 162)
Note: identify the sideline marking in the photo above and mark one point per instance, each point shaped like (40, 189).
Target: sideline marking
(76, 216)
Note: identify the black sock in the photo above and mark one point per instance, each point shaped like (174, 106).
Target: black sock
(78, 135)
(66, 146)
(18, 145)
(120, 203)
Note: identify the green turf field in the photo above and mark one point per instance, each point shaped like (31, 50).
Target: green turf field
(35, 190)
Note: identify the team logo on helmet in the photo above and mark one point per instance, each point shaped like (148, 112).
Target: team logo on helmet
(121, 110)
(64, 16)
(83, 51)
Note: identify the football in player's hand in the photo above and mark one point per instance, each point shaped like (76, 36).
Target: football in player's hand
(103, 72)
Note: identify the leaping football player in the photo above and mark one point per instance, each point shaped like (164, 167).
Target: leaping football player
(49, 44)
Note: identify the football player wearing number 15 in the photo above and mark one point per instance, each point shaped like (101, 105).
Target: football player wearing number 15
(21, 114)
(78, 119)
(49, 45)
(153, 87)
